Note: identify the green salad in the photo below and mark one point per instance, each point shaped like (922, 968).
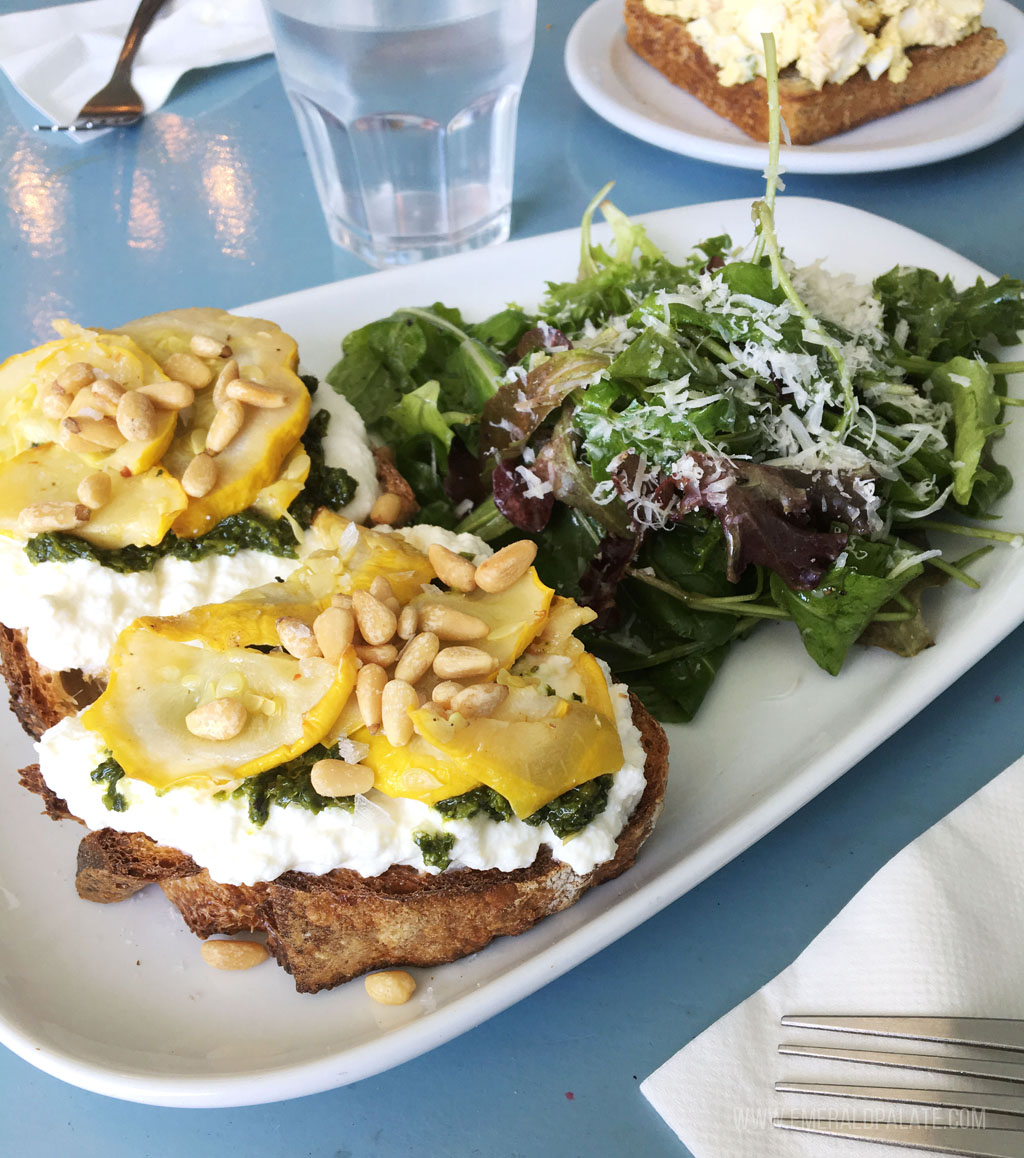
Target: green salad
(700, 442)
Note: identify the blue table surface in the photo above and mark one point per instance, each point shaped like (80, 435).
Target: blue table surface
(210, 201)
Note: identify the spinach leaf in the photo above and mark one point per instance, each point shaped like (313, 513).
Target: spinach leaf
(834, 615)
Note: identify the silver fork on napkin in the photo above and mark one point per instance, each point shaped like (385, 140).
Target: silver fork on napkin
(117, 103)
(971, 1123)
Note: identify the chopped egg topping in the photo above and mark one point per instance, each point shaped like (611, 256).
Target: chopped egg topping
(826, 41)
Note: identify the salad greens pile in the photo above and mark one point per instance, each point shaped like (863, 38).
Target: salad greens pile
(697, 446)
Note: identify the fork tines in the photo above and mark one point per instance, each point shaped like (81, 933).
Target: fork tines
(974, 1123)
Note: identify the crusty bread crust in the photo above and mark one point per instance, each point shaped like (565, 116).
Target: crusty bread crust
(40, 698)
(327, 929)
(810, 114)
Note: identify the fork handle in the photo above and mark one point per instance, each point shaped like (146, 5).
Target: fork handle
(141, 21)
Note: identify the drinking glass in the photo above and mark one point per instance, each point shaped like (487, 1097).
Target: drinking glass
(407, 111)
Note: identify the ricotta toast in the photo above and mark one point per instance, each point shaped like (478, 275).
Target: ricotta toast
(842, 62)
(389, 757)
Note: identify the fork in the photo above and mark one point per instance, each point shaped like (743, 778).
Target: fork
(117, 103)
(977, 1123)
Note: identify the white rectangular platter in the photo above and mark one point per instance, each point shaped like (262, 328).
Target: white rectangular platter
(116, 998)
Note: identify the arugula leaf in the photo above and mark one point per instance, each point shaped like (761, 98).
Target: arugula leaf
(969, 386)
(417, 413)
(613, 284)
(943, 322)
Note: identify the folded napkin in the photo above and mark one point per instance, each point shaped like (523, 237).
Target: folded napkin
(57, 58)
(936, 931)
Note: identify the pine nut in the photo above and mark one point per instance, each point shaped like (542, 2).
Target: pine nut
(188, 368)
(340, 778)
(297, 637)
(233, 954)
(445, 692)
(136, 416)
(227, 422)
(381, 589)
(416, 657)
(479, 699)
(169, 395)
(228, 374)
(55, 402)
(397, 701)
(450, 623)
(221, 719)
(453, 663)
(383, 654)
(107, 391)
(252, 393)
(200, 476)
(69, 437)
(103, 431)
(504, 567)
(75, 375)
(391, 987)
(387, 510)
(204, 347)
(408, 622)
(94, 490)
(370, 682)
(342, 601)
(377, 623)
(452, 569)
(334, 628)
(40, 517)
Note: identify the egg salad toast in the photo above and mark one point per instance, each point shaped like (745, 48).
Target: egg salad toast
(388, 758)
(176, 460)
(819, 99)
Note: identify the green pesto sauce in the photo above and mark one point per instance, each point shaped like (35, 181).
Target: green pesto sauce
(436, 848)
(243, 531)
(109, 773)
(482, 799)
(286, 784)
(574, 810)
(326, 486)
(567, 814)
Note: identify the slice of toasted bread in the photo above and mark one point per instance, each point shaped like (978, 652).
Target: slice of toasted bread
(810, 114)
(328, 929)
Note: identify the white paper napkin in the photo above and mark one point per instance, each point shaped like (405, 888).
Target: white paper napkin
(938, 930)
(57, 58)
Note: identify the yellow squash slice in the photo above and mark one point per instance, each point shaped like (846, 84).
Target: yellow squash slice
(364, 554)
(155, 682)
(140, 510)
(254, 457)
(529, 762)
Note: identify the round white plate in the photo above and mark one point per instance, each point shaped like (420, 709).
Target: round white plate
(632, 95)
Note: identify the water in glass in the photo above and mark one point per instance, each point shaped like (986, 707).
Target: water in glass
(407, 110)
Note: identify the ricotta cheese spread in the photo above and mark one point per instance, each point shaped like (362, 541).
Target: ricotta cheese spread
(826, 41)
(219, 836)
(72, 612)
